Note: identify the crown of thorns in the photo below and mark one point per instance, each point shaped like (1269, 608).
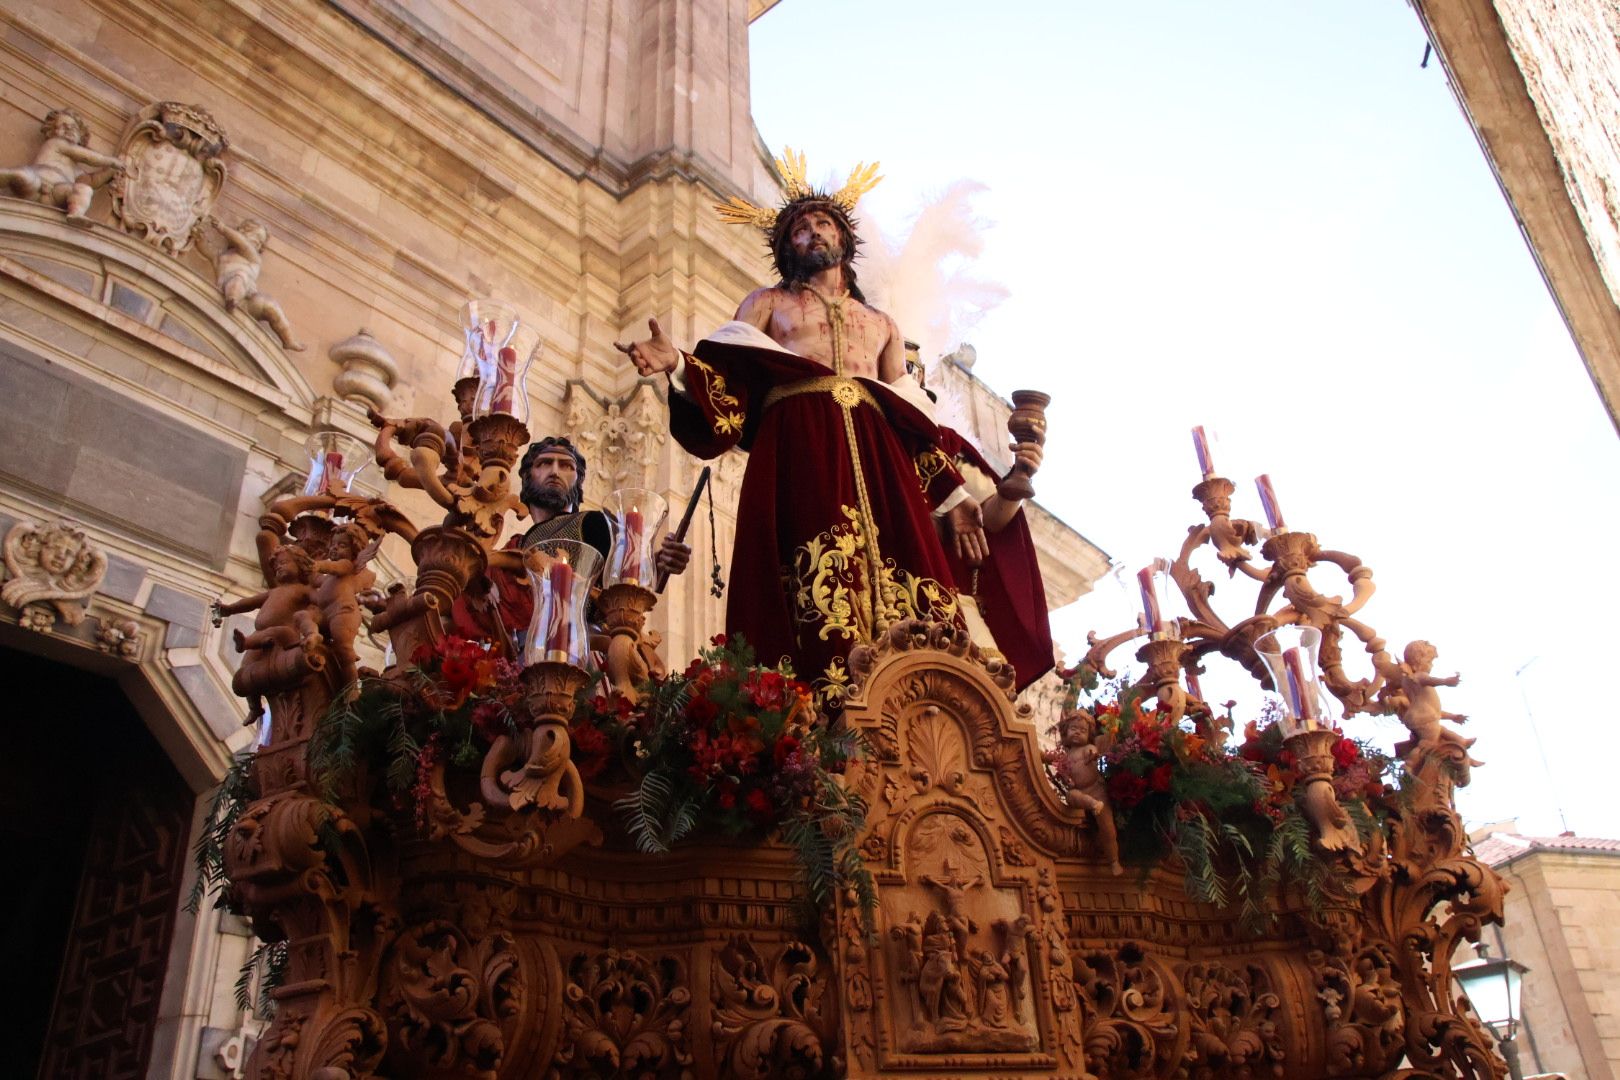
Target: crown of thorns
(739, 211)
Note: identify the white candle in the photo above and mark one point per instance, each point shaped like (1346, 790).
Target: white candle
(1206, 463)
(1268, 503)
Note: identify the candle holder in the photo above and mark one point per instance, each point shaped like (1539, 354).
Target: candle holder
(560, 573)
(1163, 657)
(631, 654)
(1026, 424)
(1290, 655)
(543, 775)
(637, 516)
(500, 349)
(335, 459)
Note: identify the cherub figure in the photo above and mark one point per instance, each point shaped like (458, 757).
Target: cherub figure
(343, 579)
(238, 258)
(1415, 699)
(57, 177)
(1087, 789)
(287, 618)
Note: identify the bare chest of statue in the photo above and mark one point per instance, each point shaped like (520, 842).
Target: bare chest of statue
(817, 329)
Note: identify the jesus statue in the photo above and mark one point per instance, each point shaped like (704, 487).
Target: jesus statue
(847, 507)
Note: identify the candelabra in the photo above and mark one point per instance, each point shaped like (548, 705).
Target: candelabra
(297, 855)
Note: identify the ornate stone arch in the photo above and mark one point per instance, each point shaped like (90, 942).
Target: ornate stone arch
(156, 302)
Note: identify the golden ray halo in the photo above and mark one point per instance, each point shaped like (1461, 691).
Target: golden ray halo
(739, 211)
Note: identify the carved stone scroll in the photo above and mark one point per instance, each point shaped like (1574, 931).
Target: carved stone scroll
(621, 439)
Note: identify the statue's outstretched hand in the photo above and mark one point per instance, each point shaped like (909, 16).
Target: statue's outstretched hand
(655, 356)
(966, 524)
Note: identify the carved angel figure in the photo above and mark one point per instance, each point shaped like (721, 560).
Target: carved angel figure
(1416, 701)
(1087, 789)
(58, 174)
(52, 564)
(238, 258)
(342, 578)
(286, 620)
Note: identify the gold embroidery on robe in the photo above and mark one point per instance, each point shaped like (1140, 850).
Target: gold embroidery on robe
(828, 584)
(714, 387)
(929, 465)
(832, 687)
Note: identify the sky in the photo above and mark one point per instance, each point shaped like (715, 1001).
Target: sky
(1266, 218)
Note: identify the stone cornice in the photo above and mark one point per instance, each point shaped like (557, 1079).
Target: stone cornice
(1473, 48)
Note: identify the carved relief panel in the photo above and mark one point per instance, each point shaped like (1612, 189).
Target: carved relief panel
(968, 971)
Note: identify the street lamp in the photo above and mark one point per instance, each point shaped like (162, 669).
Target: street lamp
(1492, 985)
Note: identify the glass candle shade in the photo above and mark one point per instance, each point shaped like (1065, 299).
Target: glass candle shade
(335, 460)
(1152, 581)
(560, 573)
(500, 348)
(637, 516)
(1290, 654)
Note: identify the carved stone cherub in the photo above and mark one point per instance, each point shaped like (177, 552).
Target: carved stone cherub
(288, 616)
(1087, 789)
(54, 565)
(238, 259)
(58, 174)
(1416, 701)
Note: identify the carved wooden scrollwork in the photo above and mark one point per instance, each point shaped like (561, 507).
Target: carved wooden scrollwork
(624, 1015)
(447, 995)
(770, 1019)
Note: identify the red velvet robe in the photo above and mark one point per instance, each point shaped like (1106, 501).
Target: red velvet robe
(828, 486)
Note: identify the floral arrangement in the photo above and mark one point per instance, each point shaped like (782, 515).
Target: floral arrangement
(727, 744)
(1227, 811)
(456, 698)
(737, 746)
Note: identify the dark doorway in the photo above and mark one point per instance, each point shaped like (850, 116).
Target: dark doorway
(94, 822)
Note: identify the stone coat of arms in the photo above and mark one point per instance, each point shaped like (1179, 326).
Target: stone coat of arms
(172, 173)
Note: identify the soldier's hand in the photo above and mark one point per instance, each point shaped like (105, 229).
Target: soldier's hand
(673, 555)
(655, 356)
(966, 523)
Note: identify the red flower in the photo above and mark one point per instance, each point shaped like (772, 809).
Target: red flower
(1159, 778)
(785, 746)
(489, 720)
(590, 749)
(727, 799)
(767, 689)
(1126, 789)
(718, 641)
(1346, 753)
(1149, 734)
(700, 710)
(758, 804)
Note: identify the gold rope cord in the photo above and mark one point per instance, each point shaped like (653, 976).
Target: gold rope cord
(883, 607)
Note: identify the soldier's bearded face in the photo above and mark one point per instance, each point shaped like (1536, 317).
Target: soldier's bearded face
(550, 481)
